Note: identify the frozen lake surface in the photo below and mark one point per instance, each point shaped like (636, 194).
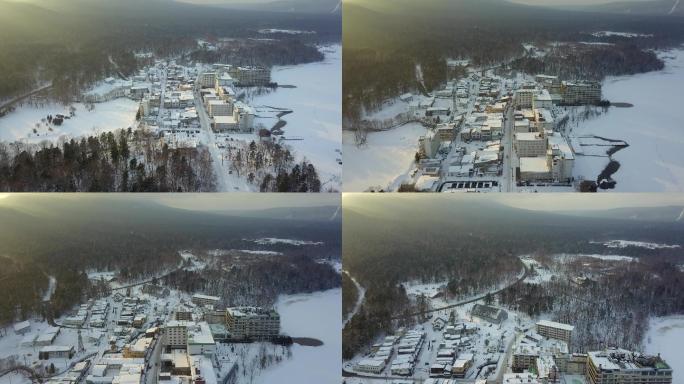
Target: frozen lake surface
(317, 105)
(319, 316)
(665, 336)
(653, 128)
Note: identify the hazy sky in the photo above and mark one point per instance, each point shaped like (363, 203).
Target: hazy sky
(200, 202)
(567, 2)
(541, 202)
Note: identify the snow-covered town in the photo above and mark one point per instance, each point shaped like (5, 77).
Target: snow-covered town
(145, 332)
(477, 340)
(495, 129)
(247, 122)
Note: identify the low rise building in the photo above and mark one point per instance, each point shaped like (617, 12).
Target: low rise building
(205, 300)
(56, 352)
(619, 366)
(554, 330)
(375, 366)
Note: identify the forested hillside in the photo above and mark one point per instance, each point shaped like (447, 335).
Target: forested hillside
(474, 247)
(68, 235)
(385, 40)
(73, 43)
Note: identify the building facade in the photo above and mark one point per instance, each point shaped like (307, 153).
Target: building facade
(252, 323)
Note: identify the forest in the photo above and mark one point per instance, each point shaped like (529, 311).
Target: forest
(120, 161)
(74, 43)
(349, 295)
(590, 62)
(273, 168)
(612, 308)
(474, 248)
(266, 53)
(66, 236)
(385, 40)
(259, 282)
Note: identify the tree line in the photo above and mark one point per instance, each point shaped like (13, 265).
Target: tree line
(122, 161)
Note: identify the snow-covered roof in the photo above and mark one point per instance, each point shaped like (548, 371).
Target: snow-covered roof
(534, 164)
(553, 324)
(24, 325)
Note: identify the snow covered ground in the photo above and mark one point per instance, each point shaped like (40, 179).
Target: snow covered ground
(385, 159)
(361, 295)
(640, 244)
(571, 257)
(665, 336)
(540, 274)
(317, 105)
(274, 240)
(653, 161)
(14, 378)
(108, 116)
(310, 364)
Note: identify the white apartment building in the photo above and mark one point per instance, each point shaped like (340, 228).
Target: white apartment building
(205, 300)
(554, 330)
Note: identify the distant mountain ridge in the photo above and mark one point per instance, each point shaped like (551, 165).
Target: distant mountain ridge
(652, 8)
(295, 6)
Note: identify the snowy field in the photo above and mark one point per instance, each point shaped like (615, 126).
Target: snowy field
(14, 378)
(310, 364)
(275, 240)
(665, 336)
(564, 258)
(383, 161)
(639, 244)
(317, 105)
(109, 116)
(653, 162)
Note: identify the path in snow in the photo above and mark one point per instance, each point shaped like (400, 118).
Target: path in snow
(51, 288)
(359, 300)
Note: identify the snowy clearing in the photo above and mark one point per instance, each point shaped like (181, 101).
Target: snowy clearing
(569, 257)
(108, 116)
(383, 161)
(274, 240)
(253, 252)
(640, 244)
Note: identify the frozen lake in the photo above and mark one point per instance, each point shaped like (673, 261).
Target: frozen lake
(317, 105)
(653, 128)
(665, 336)
(386, 156)
(317, 315)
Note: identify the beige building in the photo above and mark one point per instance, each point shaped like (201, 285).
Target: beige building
(581, 93)
(175, 333)
(530, 144)
(219, 108)
(251, 76)
(207, 80)
(524, 97)
(252, 323)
